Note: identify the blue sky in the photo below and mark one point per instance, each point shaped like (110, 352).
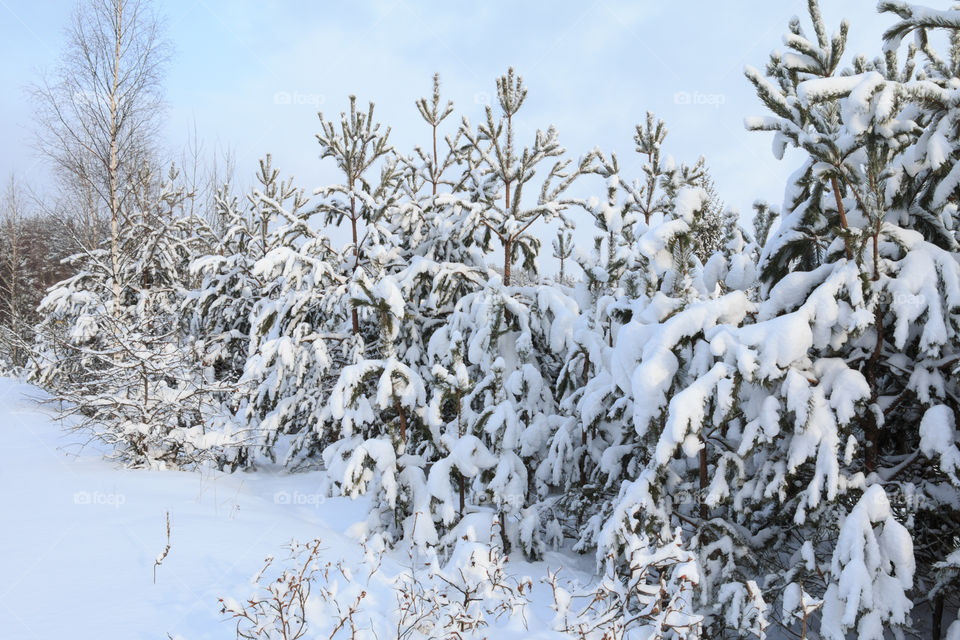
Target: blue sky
(593, 69)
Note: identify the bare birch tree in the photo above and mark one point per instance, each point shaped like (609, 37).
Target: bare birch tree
(99, 114)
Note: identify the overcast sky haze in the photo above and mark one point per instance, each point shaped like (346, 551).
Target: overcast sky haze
(251, 75)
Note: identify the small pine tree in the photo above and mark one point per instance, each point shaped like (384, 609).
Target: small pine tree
(562, 250)
(497, 174)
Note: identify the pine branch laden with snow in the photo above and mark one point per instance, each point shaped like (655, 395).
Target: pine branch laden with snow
(872, 569)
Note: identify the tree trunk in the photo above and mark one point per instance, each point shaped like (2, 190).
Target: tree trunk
(583, 429)
(507, 247)
(871, 426)
(842, 213)
(403, 417)
(354, 316)
(503, 532)
(704, 480)
(938, 616)
(436, 169)
(113, 169)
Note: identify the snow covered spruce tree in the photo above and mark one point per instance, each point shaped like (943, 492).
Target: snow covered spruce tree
(791, 420)
(444, 256)
(360, 149)
(435, 322)
(922, 195)
(655, 343)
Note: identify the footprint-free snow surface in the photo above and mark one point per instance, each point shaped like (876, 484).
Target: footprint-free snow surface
(79, 536)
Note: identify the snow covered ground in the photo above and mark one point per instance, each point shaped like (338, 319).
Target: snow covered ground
(79, 536)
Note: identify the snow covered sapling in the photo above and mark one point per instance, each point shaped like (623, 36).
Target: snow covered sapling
(378, 403)
(926, 78)
(434, 227)
(287, 376)
(434, 112)
(649, 139)
(645, 252)
(859, 220)
(358, 146)
(615, 221)
(229, 290)
(509, 404)
(818, 219)
(498, 176)
(562, 251)
(613, 253)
